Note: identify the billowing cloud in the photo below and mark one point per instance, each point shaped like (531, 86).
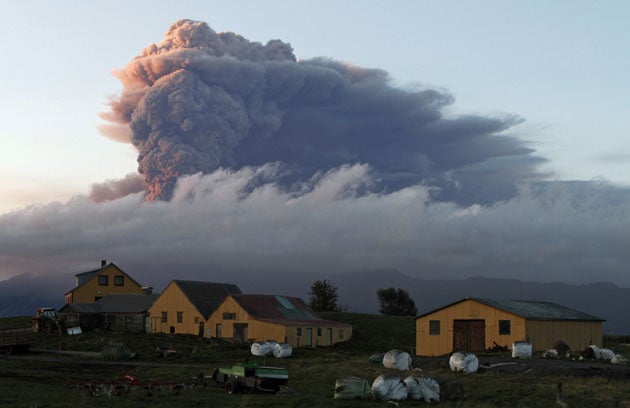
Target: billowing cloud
(245, 221)
(200, 100)
(113, 189)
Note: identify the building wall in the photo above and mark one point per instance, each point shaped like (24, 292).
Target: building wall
(172, 300)
(227, 314)
(436, 345)
(230, 313)
(90, 290)
(125, 322)
(578, 335)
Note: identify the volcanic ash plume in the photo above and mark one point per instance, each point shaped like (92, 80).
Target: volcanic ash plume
(200, 100)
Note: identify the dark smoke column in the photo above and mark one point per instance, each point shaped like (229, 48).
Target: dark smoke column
(190, 99)
(200, 100)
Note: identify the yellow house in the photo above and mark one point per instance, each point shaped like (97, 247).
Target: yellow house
(109, 279)
(278, 318)
(476, 324)
(184, 306)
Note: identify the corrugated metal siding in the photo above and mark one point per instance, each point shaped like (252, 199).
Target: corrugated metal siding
(578, 335)
(542, 333)
(437, 345)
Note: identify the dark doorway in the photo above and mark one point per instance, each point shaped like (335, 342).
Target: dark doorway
(240, 332)
(469, 335)
(201, 328)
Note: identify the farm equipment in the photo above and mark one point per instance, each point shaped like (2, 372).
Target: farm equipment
(249, 376)
(15, 341)
(46, 319)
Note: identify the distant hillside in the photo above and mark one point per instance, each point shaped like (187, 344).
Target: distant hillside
(20, 295)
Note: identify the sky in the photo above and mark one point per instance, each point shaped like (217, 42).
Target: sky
(547, 78)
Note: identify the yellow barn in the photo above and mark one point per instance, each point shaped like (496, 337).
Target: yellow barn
(251, 318)
(476, 324)
(109, 279)
(184, 306)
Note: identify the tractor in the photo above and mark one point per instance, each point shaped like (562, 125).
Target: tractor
(46, 319)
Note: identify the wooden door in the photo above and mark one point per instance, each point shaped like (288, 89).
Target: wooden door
(469, 335)
(329, 337)
(309, 337)
(240, 332)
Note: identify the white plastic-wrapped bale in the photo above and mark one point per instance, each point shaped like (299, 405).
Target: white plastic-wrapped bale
(463, 362)
(397, 359)
(388, 387)
(606, 354)
(261, 349)
(352, 388)
(592, 352)
(421, 388)
(521, 349)
(552, 353)
(281, 350)
(619, 359)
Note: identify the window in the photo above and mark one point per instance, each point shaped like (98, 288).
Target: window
(299, 331)
(196, 320)
(119, 280)
(340, 334)
(434, 327)
(103, 280)
(504, 327)
(180, 317)
(229, 316)
(164, 317)
(319, 332)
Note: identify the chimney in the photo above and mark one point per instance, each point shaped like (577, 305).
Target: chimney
(147, 290)
(103, 262)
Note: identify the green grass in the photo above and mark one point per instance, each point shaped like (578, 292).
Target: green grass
(51, 382)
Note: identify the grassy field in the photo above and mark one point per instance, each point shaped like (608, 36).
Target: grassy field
(57, 380)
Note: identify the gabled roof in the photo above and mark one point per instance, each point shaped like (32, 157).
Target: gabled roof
(206, 296)
(531, 310)
(124, 303)
(84, 277)
(283, 310)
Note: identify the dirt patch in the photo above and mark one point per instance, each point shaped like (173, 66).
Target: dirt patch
(536, 366)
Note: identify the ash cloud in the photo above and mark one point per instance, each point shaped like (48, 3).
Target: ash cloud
(113, 189)
(234, 222)
(201, 100)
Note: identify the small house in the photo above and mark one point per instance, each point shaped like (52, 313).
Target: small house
(184, 306)
(93, 285)
(251, 318)
(477, 324)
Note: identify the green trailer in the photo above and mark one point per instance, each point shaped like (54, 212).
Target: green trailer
(249, 376)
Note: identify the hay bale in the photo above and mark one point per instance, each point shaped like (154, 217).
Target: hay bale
(562, 348)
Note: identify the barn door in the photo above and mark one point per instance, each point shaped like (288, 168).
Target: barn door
(469, 335)
(240, 332)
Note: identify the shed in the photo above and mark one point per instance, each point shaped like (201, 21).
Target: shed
(250, 318)
(184, 306)
(124, 313)
(477, 324)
